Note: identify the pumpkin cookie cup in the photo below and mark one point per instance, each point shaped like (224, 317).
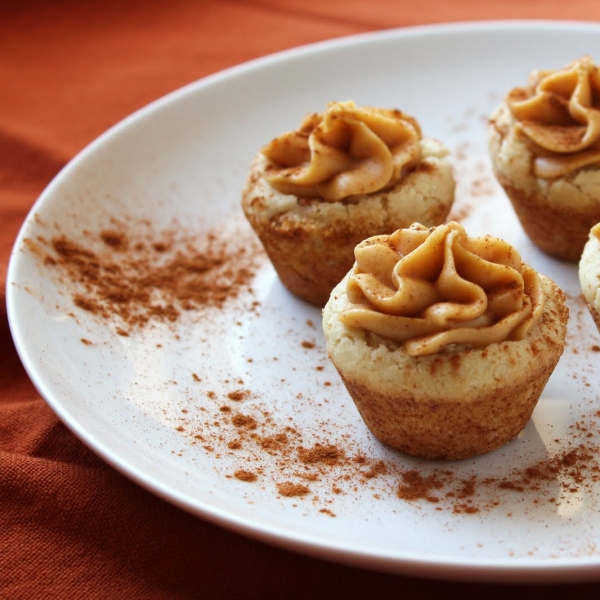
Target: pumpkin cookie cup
(544, 143)
(444, 342)
(346, 174)
(589, 273)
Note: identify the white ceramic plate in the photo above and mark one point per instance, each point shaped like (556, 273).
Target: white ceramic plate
(140, 401)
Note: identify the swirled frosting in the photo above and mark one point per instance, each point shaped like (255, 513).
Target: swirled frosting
(345, 151)
(433, 289)
(559, 112)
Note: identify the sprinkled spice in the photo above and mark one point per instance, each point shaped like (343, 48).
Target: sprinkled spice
(415, 486)
(329, 455)
(283, 462)
(244, 421)
(290, 490)
(245, 476)
(237, 395)
(133, 275)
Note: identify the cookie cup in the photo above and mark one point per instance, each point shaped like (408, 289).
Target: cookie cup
(556, 214)
(311, 242)
(450, 405)
(589, 274)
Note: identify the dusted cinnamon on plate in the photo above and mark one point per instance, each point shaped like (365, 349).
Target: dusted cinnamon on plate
(344, 175)
(544, 142)
(444, 342)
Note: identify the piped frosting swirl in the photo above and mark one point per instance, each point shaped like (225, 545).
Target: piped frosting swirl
(435, 289)
(345, 151)
(559, 113)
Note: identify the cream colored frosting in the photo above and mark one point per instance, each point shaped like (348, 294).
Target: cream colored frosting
(433, 289)
(345, 151)
(559, 112)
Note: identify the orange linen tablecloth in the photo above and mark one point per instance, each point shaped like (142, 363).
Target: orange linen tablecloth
(71, 526)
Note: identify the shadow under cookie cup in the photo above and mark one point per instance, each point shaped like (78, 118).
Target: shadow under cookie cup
(451, 405)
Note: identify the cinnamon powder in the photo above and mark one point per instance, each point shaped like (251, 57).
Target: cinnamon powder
(575, 466)
(132, 275)
(290, 489)
(248, 476)
(320, 453)
(415, 486)
(326, 470)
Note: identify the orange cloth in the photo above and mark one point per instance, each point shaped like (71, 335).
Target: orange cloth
(70, 526)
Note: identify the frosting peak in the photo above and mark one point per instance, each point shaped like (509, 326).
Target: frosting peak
(345, 151)
(430, 289)
(559, 111)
